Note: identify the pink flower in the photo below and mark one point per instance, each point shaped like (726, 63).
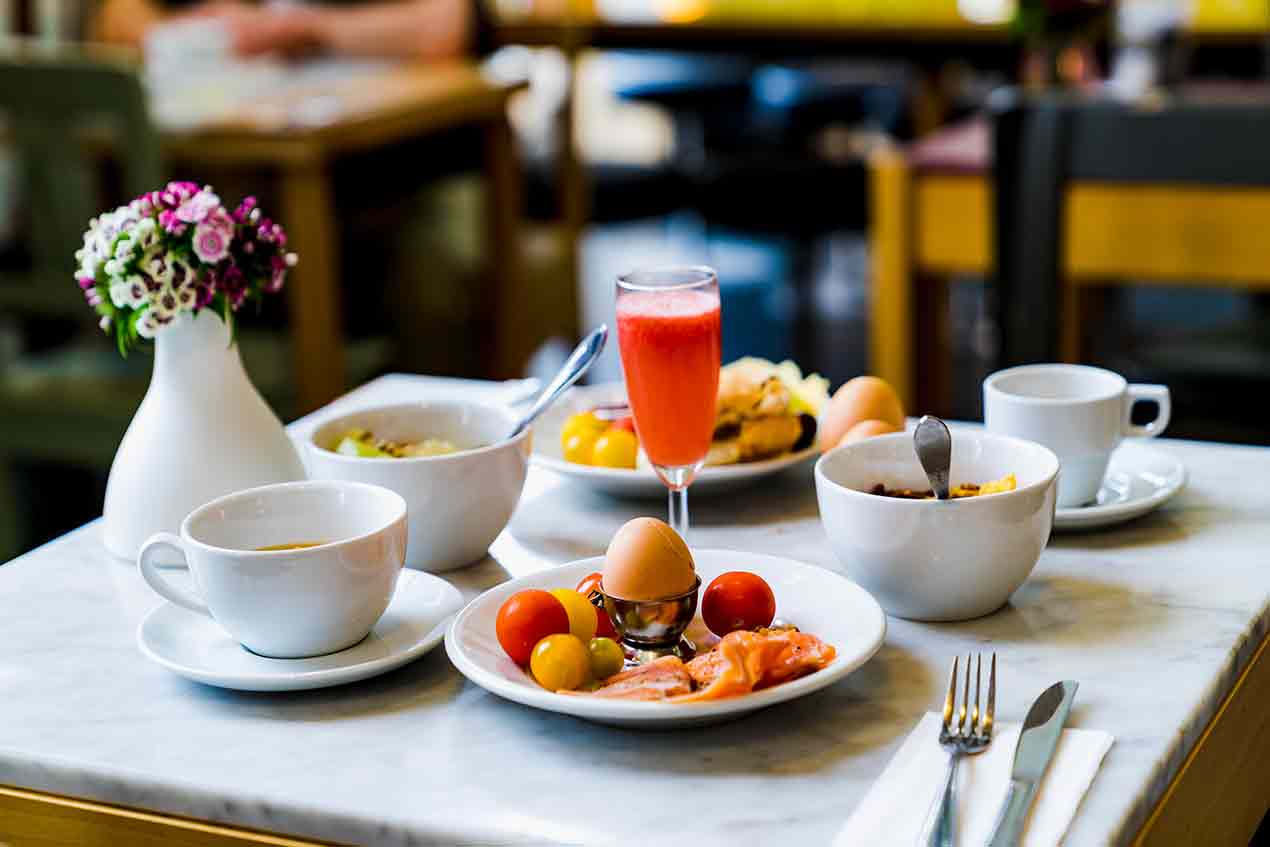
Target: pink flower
(197, 208)
(244, 209)
(85, 282)
(277, 274)
(211, 241)
(171, 223)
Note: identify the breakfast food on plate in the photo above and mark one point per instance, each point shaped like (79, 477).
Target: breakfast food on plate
(865, 398)
(965, 489)
(362, 443)
(868, 429)
(763, 410)
(557, 638)
(738, 600)
(647, 560)
(739, 664)
(526, 618)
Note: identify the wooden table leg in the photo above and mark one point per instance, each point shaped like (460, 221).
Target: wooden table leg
(313, 289)
(512, 312)
(891, 322)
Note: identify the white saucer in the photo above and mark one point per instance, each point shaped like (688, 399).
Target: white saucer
(817, 600)
(196, 647)
(642, 483)
(1139, 480)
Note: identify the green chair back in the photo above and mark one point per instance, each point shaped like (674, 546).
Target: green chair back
(66, 110)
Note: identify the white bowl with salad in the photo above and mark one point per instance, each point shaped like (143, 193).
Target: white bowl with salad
(461, 478)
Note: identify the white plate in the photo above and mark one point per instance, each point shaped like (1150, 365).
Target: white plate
(641, 482)
(1139, 480)
(195, 646)
(817, 600)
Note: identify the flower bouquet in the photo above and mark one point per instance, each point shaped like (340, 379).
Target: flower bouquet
(178, 250)
(175, 265)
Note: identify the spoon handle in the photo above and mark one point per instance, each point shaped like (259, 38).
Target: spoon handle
(577, 364)
(933, 445)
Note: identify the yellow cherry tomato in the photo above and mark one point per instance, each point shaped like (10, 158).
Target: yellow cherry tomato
(580, 447)
(606, 657)
(616, 448)
(582, 621)
(561, 662)
(582, 422)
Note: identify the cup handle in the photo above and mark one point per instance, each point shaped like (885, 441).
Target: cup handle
(1158, 393)
(150, 573)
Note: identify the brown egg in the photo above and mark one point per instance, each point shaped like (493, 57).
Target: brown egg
(864, 398)
(868, 429)
(647, 560)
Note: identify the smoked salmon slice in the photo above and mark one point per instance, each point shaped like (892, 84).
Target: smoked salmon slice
(750, 661)
(658, 680)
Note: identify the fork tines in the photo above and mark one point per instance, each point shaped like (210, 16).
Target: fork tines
(980, 722)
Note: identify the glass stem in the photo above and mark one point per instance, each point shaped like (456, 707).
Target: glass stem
(679, 511)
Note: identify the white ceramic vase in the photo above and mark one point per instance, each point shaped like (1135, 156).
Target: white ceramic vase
(202, 431)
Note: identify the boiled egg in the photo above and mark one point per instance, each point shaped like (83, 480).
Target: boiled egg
(647, 560)
(865, 398)
(868, 429)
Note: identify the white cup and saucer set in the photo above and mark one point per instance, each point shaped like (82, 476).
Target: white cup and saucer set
(330, 603)
(1085, 415)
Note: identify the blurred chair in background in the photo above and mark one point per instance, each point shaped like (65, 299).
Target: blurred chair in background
(1095, 195)
(66, 400)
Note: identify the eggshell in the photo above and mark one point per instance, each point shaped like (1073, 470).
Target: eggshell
(861, 399)
(647, 560)
(868, 429)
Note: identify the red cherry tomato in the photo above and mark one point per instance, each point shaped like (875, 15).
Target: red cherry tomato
(604, 626)
(589, 583)
(526, 618)
(627, 423)
(737, 600)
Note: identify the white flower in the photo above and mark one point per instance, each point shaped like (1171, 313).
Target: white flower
(129, 292)
(114, 267)
(148, 326)
(124, 248)
(146, 233)
(158, 266)
(104, 323)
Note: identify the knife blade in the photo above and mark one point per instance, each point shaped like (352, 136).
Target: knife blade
(1037, 740)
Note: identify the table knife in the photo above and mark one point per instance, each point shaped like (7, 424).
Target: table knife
(1037, 740)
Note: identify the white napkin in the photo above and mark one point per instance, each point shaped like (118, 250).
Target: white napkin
(895, 809)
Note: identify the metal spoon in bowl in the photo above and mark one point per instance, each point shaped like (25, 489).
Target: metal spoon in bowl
(933, 444)
(579, 361)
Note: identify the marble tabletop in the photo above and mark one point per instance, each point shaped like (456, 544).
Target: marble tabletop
(1155, 619)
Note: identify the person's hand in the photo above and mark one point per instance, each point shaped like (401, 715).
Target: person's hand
(256, 30)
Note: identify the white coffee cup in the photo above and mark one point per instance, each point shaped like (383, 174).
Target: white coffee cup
(1079, 412)
(291, 603)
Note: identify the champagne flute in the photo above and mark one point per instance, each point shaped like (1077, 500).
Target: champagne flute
(668, 330)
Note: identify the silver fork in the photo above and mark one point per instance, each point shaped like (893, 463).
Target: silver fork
(959, 740)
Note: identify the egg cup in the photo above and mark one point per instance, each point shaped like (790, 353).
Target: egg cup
(654, 628)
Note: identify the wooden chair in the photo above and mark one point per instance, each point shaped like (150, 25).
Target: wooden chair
(1091, 194)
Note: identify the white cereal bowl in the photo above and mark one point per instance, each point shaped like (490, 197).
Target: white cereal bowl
(937, 560)
(458, 503)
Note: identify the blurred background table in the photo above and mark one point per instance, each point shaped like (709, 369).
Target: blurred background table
(299, 133)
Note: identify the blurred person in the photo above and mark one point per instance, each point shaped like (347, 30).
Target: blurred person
(418, 29)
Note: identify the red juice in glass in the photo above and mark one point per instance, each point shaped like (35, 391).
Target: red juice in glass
(671, 347)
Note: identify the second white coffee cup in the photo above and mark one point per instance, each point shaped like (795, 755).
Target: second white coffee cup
(291, 570)
(1081, 413)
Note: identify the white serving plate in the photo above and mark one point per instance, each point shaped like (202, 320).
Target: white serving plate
(641, 482)
(1139, 480)
(817, 600)
(195, 647)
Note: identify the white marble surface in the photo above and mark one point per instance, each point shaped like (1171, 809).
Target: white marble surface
(1155, 619)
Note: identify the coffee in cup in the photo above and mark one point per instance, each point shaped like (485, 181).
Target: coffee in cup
(1081, 413)
(262, 573)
